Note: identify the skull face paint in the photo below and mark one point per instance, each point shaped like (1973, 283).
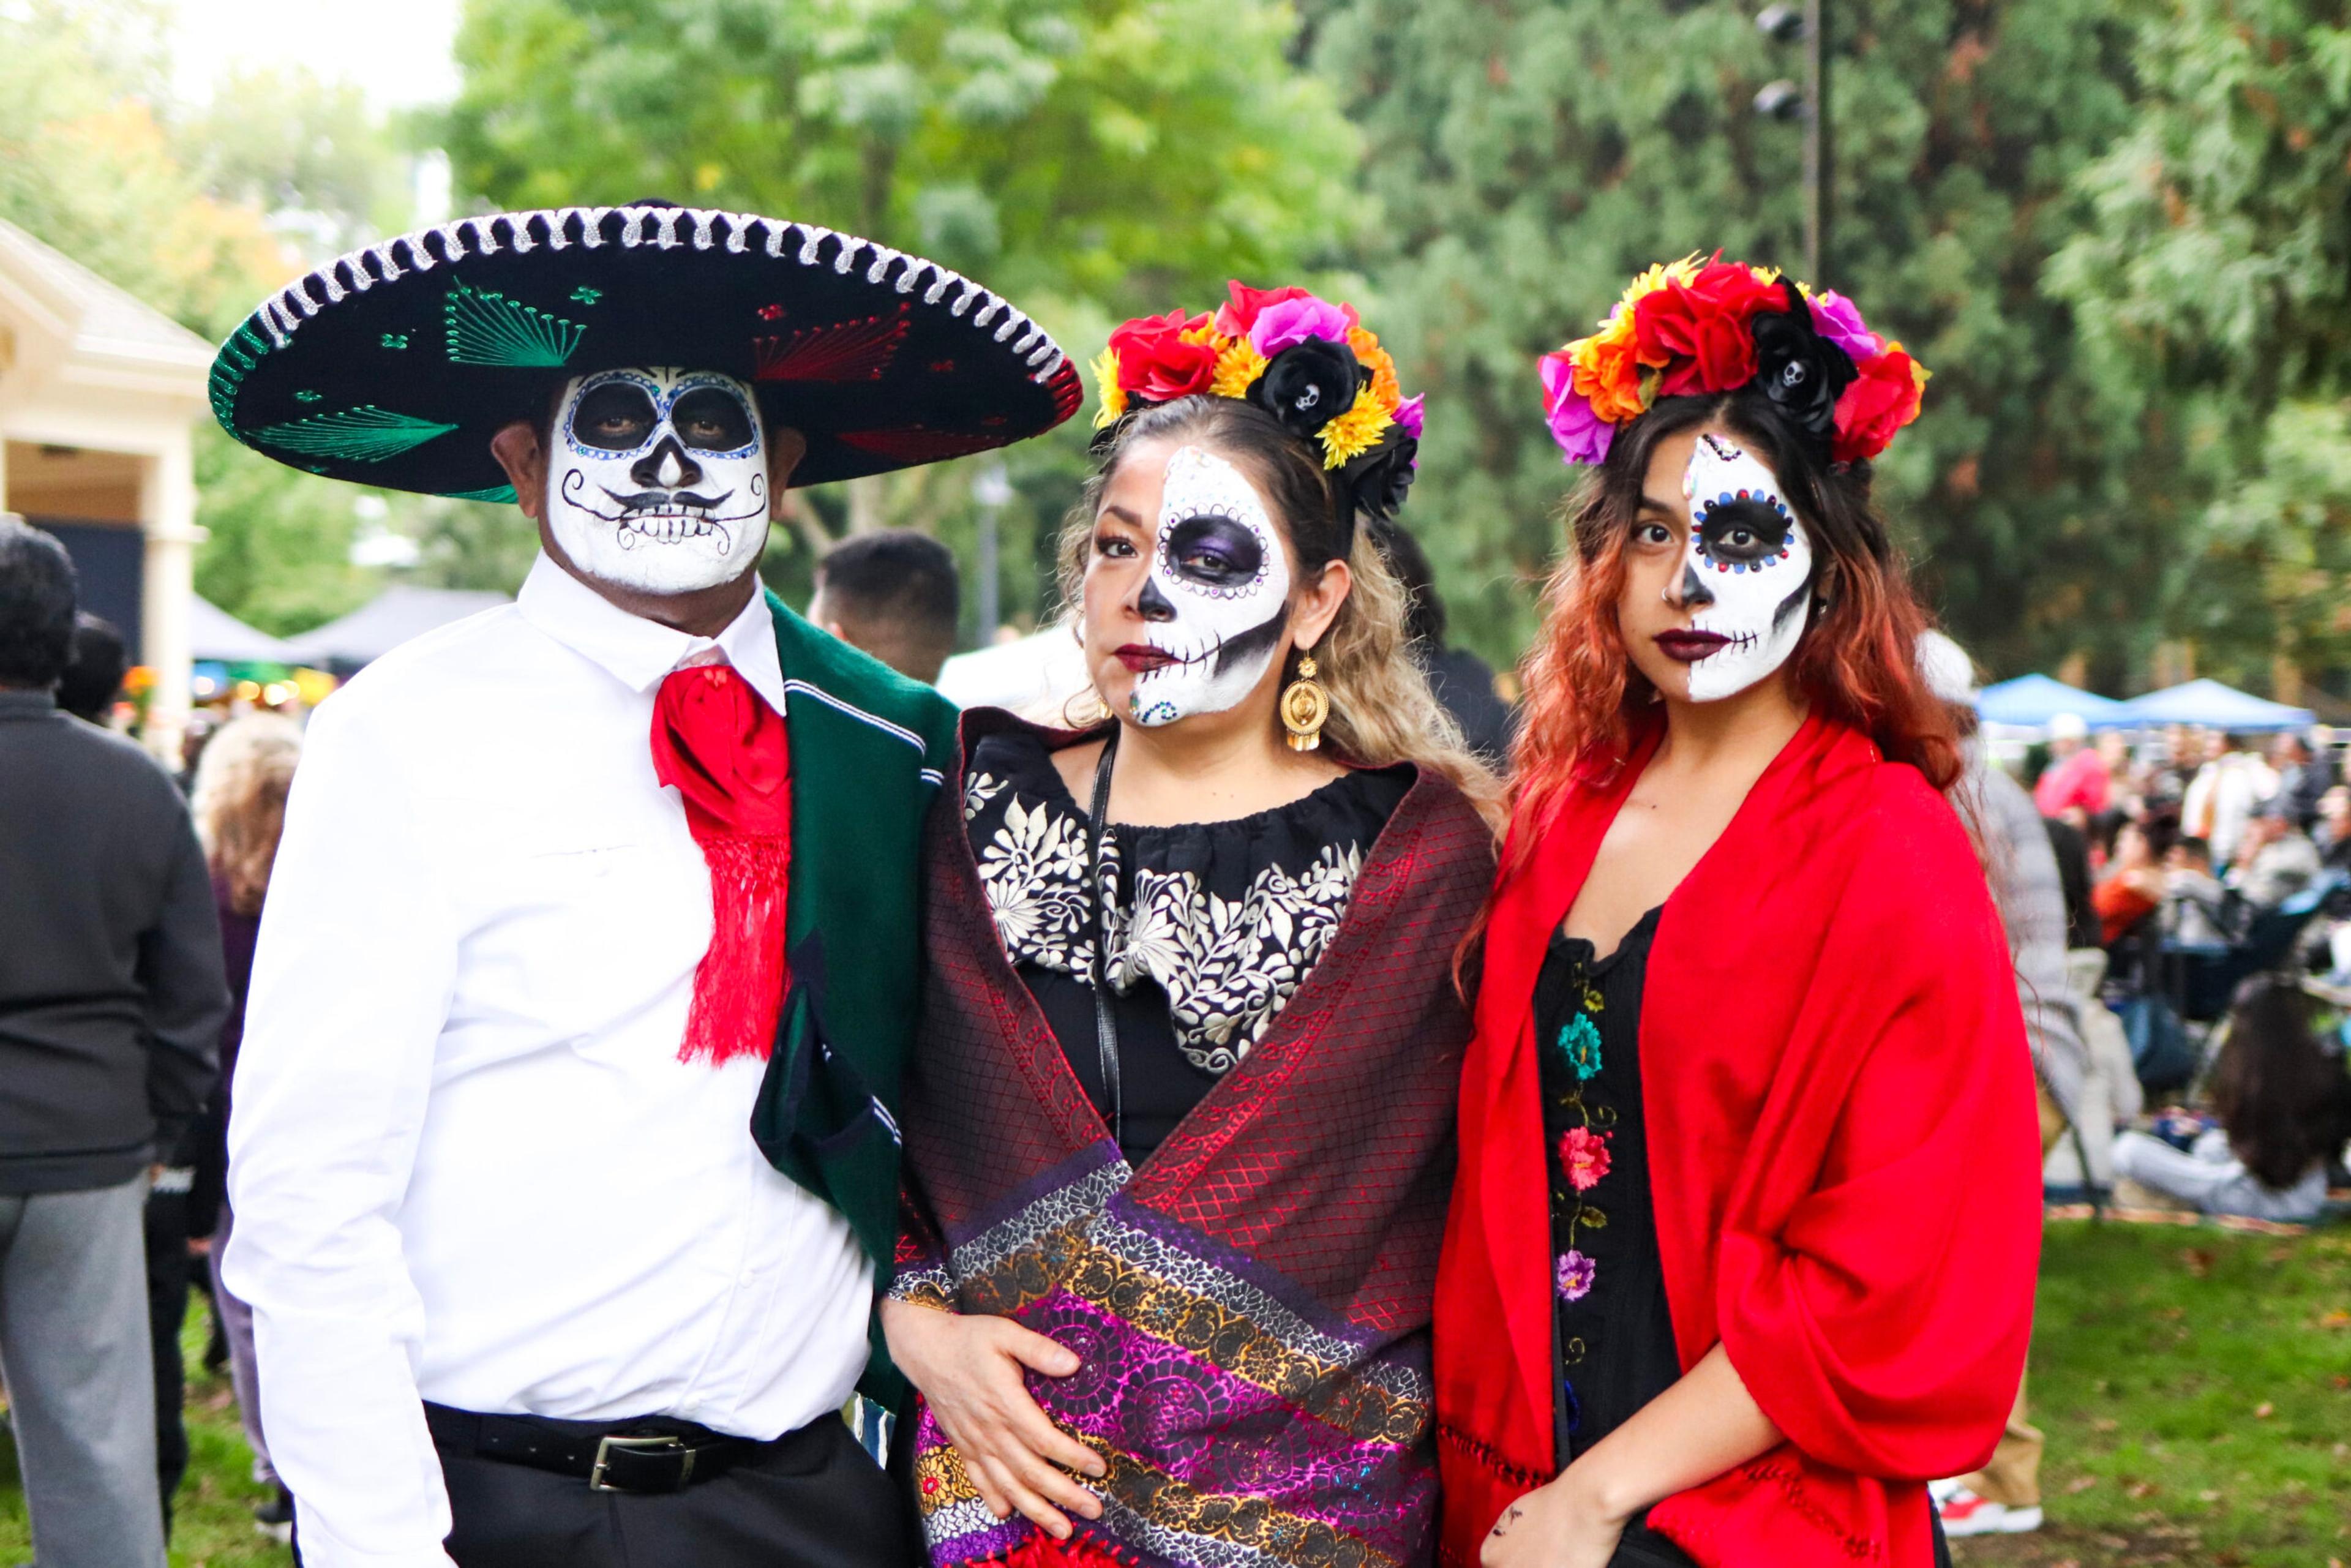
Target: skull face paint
(1746, 571)
(1218, 596)
(658, 481)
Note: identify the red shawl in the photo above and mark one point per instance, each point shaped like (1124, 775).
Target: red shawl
(1845, 1163)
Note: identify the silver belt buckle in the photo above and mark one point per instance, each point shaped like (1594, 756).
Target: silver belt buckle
(638, 1445)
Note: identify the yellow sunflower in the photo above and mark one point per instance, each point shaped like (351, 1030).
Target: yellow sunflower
(1113, 401)
(1357, 431)
(1237, 366)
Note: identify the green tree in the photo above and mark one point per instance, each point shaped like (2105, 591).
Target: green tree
(2214, 293)
(1092, 159)
(1528, 155)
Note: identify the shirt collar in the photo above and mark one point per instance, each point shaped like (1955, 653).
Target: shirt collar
(637, 652)
(27, 705)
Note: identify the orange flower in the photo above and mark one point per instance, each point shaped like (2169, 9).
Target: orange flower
(1607, 368)
(1379, 363)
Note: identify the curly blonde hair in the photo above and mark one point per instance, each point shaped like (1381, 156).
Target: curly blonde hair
(239, 802)
(1383, 710)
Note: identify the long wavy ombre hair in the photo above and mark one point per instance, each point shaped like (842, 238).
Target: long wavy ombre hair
(1381, 708)
(239, 802)
(1858, 660)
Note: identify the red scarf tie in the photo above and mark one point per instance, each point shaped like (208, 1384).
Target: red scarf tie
(725, 749)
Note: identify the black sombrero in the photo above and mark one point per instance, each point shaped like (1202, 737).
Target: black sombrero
(395, 364)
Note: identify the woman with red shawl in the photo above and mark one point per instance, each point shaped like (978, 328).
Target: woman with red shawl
(1747, 1033)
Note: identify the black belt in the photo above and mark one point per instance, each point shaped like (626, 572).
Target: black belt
(658, 1454)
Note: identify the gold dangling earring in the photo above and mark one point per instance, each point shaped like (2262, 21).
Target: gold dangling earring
(1305, 707)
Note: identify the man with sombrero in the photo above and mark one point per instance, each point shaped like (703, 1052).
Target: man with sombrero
(563, 1153)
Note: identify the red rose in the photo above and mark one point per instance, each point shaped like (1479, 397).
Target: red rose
(1703, 331)
(1234, 319)
(1155, 364)
(1881, 400)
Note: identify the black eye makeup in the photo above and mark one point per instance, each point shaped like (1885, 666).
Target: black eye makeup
(615, 417)
(710, 419)
(1745, 530)
(1214, 552)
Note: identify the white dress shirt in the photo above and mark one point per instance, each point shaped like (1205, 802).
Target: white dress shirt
(466, 1163)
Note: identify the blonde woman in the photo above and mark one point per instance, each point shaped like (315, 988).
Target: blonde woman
(1180, 1119)
(239, 803)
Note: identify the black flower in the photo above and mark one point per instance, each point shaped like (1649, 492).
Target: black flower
(1308, 385)
(1379, 478)
(1801, 371)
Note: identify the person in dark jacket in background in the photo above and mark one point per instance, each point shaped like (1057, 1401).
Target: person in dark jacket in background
(1463, 682)
(91, 681)
(110, 1007)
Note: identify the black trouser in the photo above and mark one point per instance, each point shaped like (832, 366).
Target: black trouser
(167, 1309)
(811, 1500)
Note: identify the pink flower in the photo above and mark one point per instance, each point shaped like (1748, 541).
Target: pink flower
(1234, 318)
(1583, 436)
(1292, 321)
(1836, 318)
(1408, 414)
(1575, 1275)
(1584, 1154)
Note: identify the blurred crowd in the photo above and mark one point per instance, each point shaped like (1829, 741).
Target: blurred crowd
(2208, 887)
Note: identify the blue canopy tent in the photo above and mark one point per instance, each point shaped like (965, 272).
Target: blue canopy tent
(2214, 707)
(2031, 701)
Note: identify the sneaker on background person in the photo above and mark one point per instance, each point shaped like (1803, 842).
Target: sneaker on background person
(1965, 1514)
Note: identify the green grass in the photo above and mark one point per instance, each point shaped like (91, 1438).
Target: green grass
(2158, 1352)
(2195, 1386)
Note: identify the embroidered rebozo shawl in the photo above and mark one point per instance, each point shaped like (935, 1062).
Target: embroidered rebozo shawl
(1251, 1307)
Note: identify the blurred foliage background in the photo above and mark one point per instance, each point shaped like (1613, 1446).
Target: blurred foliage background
(2119, 231)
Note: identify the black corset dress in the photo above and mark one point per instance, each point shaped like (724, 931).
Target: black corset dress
(1213, 925)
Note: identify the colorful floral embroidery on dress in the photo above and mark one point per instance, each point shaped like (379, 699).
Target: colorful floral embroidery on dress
(1580, 1162)
(1583, 1156)
(1580, 1040)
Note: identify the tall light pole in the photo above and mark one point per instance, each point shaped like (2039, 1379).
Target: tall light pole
(1808, 25)
(991, 487)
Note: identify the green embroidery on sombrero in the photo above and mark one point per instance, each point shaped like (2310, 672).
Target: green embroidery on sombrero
(363, 434)
(496, 495)
(485, 327)
(235, 362)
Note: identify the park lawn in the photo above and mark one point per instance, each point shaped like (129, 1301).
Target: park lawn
(2195, 1386)
(2157, 1352)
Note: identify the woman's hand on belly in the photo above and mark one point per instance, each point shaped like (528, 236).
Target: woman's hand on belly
(970, 1370)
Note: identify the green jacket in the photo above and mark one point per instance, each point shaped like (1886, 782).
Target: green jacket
(869, 748)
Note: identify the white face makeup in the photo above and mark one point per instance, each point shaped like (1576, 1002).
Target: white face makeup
(1218, 596)
(1746, 573)
(658, 480)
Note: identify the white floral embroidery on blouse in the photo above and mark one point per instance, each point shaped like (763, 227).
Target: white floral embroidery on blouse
(1229, 966)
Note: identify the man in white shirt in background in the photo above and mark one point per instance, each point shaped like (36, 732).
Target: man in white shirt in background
(561, 1216)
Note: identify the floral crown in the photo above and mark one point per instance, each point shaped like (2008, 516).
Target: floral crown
(1685, 329)
(1310, 364)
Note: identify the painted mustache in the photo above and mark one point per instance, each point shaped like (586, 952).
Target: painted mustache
(663, 500)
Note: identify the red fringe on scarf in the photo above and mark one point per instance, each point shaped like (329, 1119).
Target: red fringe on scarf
(724, 750)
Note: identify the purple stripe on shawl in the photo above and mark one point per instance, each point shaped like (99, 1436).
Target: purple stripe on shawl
(1216, 1433)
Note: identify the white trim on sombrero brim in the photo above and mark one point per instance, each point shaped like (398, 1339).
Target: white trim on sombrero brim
(667, 228)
